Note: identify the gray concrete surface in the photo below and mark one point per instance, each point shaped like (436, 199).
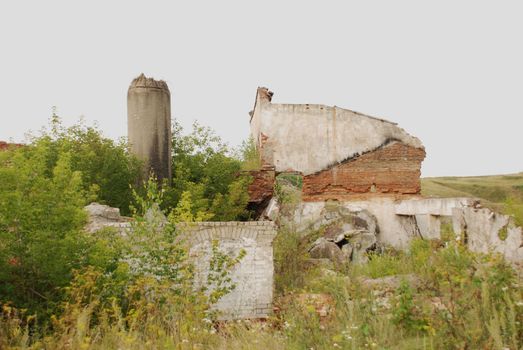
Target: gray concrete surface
(149, 124)
(308, 137)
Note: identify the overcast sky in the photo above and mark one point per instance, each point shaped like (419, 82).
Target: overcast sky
(449, 72)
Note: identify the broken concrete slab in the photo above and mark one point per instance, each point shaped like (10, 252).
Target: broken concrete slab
(486, 231)
(100, 216)
(324, 249)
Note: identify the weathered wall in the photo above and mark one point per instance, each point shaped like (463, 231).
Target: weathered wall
(486, 231)
(253, 276)
(394, 230)
(399, 221)
(149, 124)
(310, 138)
(392, 169)
(262, 186)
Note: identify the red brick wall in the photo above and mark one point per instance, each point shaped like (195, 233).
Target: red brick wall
(392, 169)
(262, 186)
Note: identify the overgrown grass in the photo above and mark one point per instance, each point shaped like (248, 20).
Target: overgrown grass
(461, 300)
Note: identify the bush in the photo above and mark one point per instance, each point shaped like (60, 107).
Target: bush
(41, 222)
(206, 168)
(107, 168)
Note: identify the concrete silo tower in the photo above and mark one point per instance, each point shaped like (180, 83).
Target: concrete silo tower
(149, 124)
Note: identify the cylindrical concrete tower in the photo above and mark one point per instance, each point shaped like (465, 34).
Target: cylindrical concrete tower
(149, 124)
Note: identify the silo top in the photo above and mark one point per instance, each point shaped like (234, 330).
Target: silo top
(143, 82)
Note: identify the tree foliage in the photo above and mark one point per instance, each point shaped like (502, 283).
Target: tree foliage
(41, 218)
(206, 176)
(107, 168)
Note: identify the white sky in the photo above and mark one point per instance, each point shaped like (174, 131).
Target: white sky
(449, 72)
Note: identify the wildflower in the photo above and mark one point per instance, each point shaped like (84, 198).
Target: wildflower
(519, 303)
(335, 345)
(504, 289)
(185, 341)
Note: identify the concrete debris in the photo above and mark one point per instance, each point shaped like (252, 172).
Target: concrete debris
(360, 244)
(353, 233)
(395, 223)
(100, 216)
(324, 249)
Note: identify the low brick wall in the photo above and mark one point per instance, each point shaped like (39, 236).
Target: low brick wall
(253, 276)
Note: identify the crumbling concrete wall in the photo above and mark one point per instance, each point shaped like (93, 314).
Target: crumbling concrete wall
(399, 221)
(310, 138)
(149, 124)
(486, 231)
(253, 276)
(339, 152)
(393, 230)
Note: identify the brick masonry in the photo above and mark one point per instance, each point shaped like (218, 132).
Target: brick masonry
(262, 185)
(391, 169)
(253, 276)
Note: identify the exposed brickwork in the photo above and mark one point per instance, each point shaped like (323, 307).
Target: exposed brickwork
(253, 276)
(393, 169)
(262, 186)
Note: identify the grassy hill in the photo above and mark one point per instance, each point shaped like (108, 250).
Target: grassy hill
(500, 192)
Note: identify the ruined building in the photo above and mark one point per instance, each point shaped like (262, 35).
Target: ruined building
(149, 124)
(341, 154)
(361, 184)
